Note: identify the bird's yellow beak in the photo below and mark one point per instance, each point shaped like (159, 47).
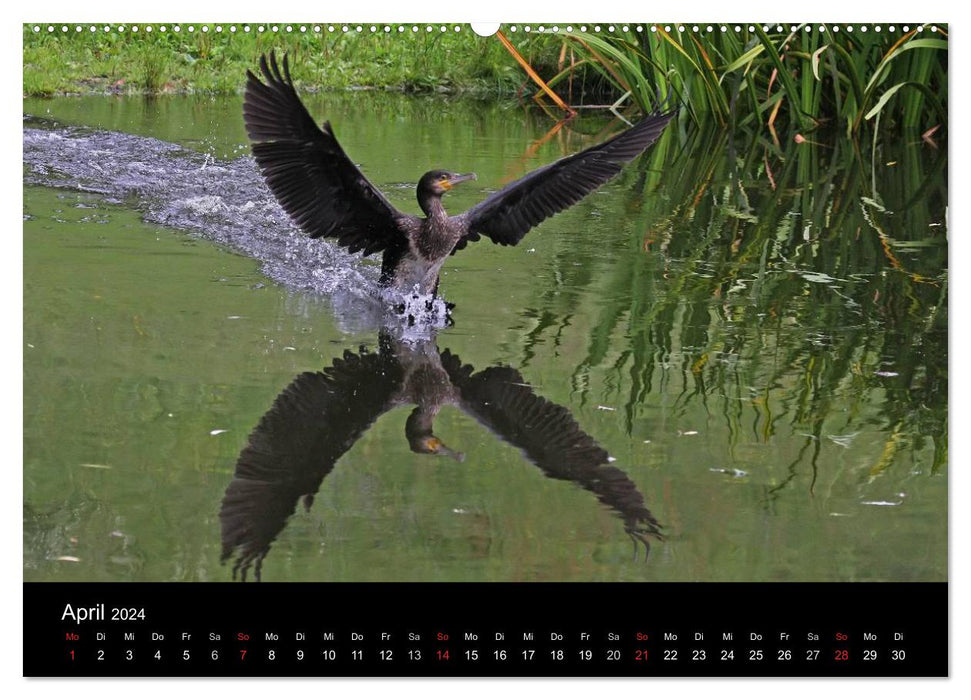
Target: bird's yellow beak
(447, 183)
(436, 446)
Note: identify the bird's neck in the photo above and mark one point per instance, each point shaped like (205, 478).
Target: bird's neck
(421, 420)
(432, 206)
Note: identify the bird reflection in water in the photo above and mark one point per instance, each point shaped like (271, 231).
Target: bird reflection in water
(322, 414)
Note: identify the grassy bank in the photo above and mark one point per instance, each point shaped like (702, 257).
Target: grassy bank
(783, 79)
(216, 61)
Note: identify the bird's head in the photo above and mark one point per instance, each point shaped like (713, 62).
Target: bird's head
(438, 182)
(432, 445)
(421, 440)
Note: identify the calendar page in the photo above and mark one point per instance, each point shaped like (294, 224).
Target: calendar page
(526, 349)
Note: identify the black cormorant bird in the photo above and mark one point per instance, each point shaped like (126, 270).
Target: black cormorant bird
(320, 416)
(327, 195)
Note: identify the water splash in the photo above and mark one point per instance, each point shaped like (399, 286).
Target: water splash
(225, 202)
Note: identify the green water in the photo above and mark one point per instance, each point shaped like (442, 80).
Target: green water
(757, 335)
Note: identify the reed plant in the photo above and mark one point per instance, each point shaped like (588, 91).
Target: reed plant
(798, 77)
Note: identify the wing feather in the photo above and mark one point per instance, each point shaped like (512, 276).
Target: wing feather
(296, 444)
(549, 436)
(507, 215)
(307, 170)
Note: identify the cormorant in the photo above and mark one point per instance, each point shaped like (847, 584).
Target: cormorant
(327, 195)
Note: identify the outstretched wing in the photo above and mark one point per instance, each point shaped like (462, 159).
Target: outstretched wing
(308, 171)
(314, 421)
(507, 215)
(548, 435)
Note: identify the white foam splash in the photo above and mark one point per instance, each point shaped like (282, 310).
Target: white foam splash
(416, 309)
(226, 202)
(206, 204)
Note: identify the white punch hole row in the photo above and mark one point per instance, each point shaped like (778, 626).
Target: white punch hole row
(480, 29)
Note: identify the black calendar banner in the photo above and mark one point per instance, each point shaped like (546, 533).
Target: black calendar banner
(625, 630)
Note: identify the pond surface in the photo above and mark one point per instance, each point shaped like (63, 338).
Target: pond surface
(756, 335)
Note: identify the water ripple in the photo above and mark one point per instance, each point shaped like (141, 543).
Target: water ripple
(224, 202)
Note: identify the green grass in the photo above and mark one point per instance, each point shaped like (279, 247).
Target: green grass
(157, 62)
